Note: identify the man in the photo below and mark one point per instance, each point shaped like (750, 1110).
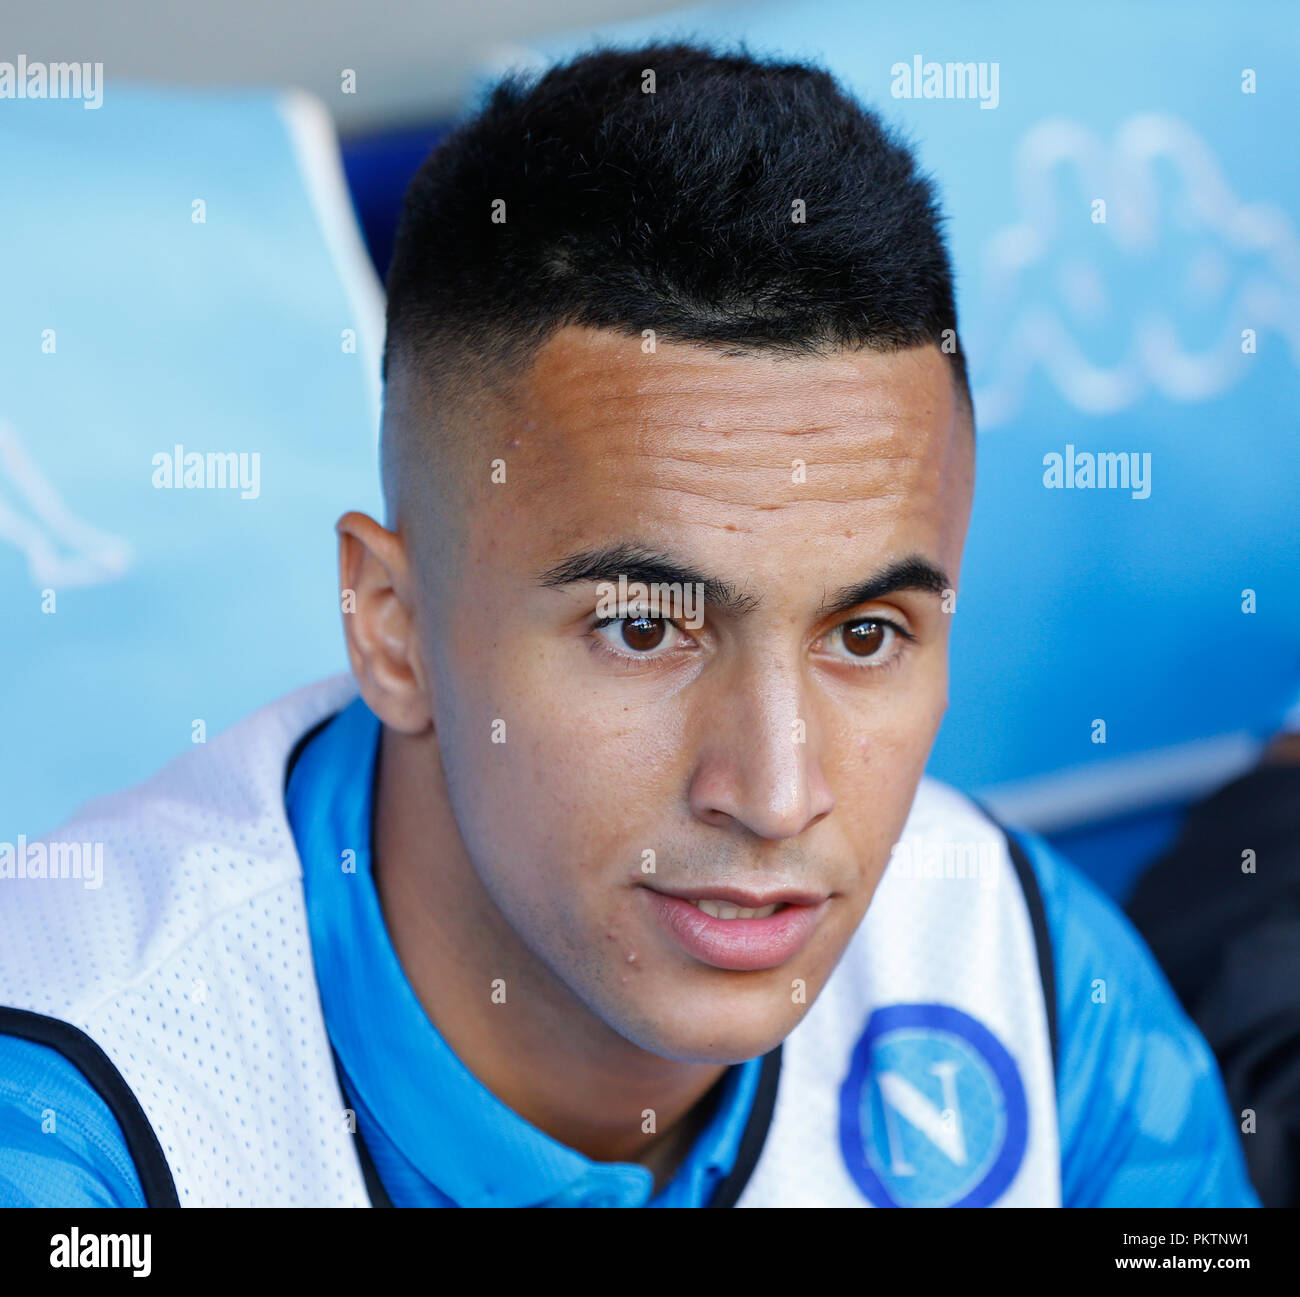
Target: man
(619, 883)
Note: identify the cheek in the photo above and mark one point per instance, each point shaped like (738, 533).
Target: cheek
(541, 781)
(881, 752)
(890, 729)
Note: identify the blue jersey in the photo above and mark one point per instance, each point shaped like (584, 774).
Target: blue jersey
(1142, 1113)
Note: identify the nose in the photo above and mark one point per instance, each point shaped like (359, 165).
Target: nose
(759, 761)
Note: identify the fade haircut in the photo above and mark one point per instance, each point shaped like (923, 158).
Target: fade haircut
(670, 209)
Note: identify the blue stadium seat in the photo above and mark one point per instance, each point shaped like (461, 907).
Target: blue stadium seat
(179, 270)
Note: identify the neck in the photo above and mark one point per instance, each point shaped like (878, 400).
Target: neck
(541, 1051)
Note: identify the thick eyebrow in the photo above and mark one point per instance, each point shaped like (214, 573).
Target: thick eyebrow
(639, 564)
(911, 573)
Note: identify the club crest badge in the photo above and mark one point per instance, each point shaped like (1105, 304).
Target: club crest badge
(933, 1110)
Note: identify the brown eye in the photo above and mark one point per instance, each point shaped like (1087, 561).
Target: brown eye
(641, 634)
(864, 638)
(642, 637)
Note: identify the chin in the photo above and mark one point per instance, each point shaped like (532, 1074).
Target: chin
(724, 1034)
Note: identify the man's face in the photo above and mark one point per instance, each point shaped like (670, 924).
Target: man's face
(767, 756)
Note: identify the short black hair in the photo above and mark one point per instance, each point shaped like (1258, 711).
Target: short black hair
(672, 208)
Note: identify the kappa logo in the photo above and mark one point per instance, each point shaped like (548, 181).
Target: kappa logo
(933, 1110)
(61, 549)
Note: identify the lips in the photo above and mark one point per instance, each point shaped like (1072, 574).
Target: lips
(740, 931)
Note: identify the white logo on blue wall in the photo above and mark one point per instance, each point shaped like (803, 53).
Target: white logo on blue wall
(932, 1112)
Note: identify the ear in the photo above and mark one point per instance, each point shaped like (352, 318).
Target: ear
(380, 623)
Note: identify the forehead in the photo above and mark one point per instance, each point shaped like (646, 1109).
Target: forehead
(585, 384)
(614, 436)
